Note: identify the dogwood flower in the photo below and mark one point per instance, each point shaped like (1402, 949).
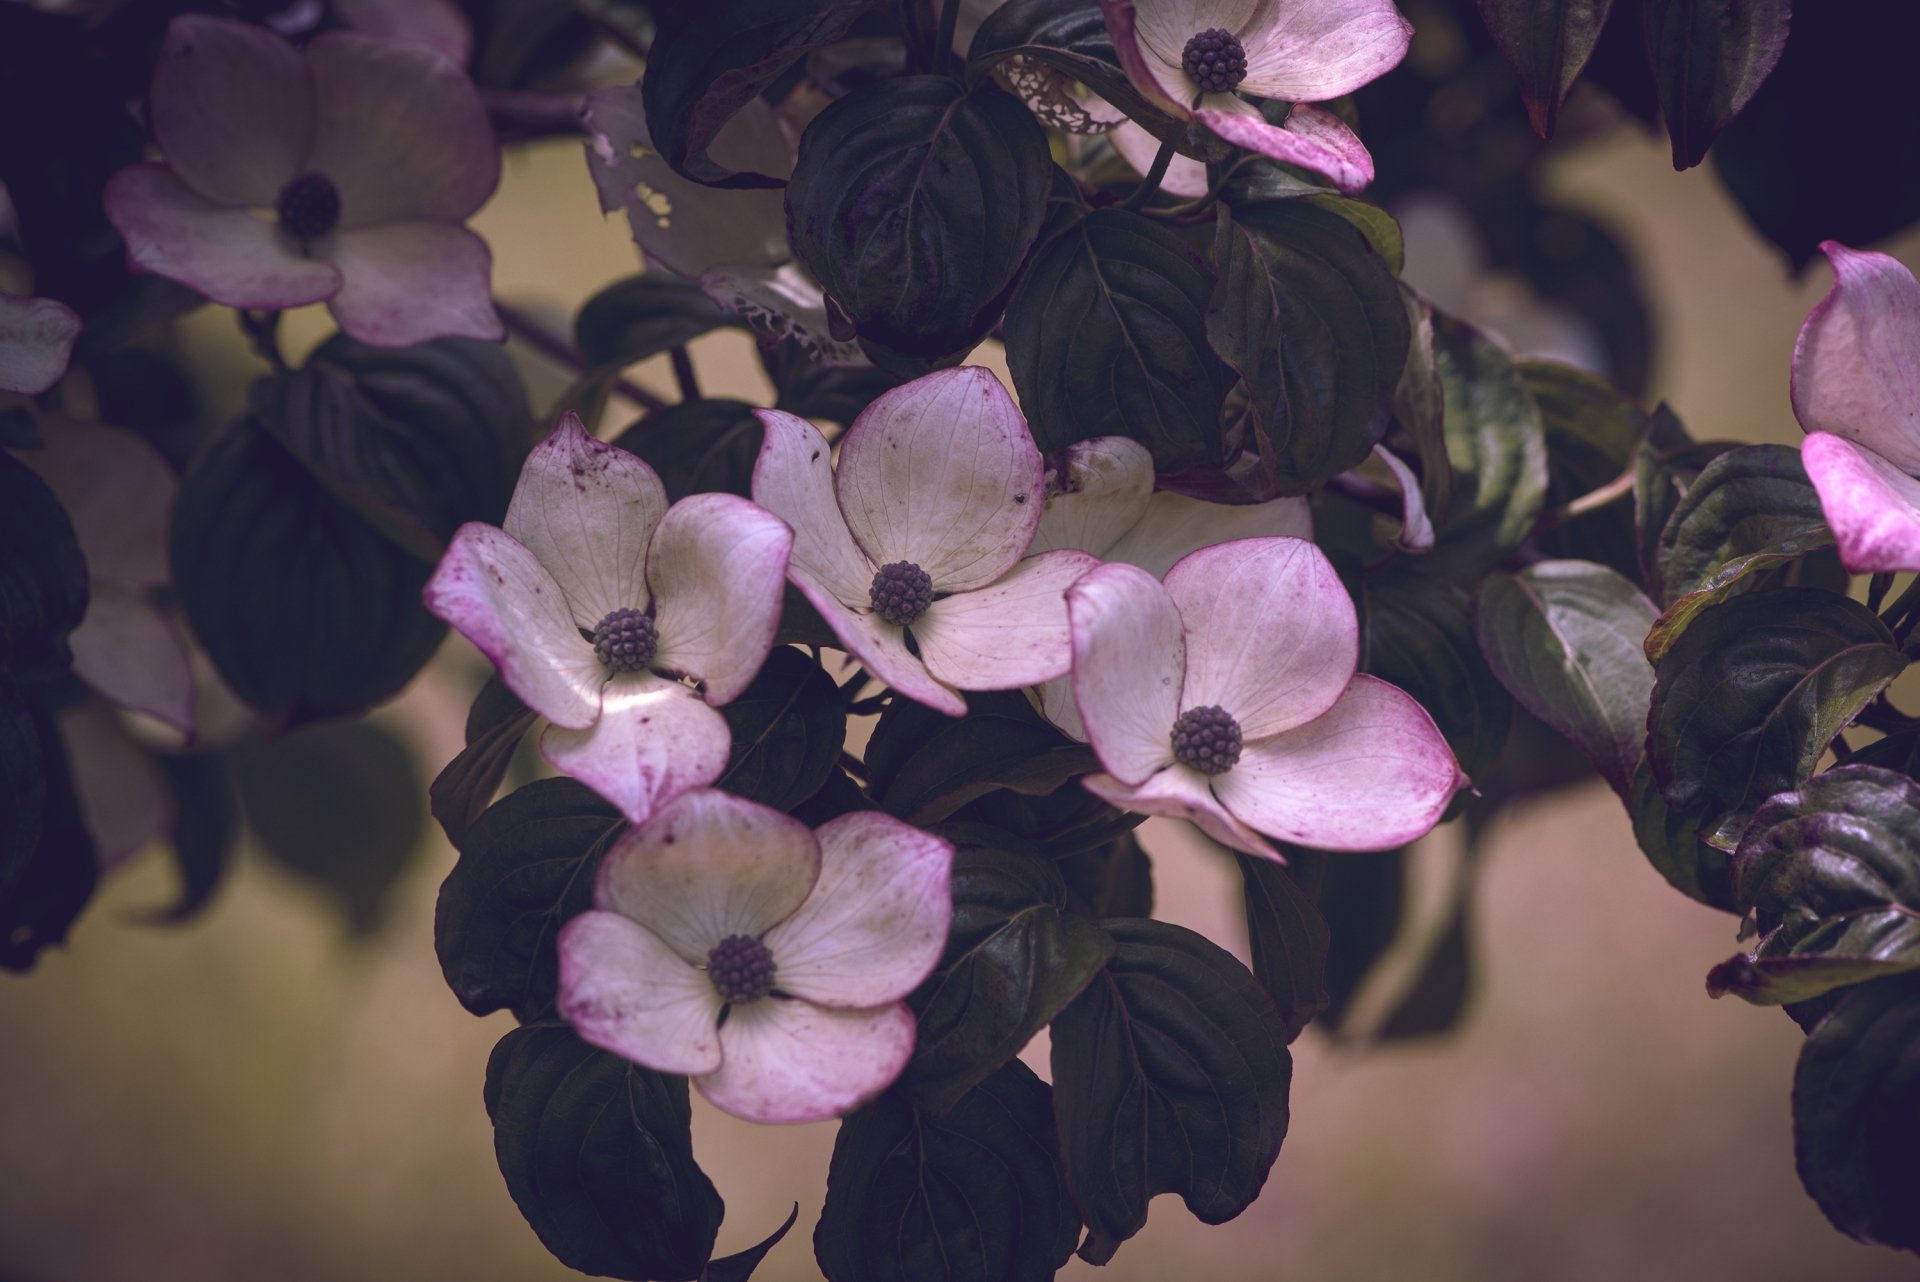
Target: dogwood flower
(916, 550)
(621, 621)
(36, 341)
(369, 154)
(765, 961)
(1189, 57)
(1856, 391)
(1228, 697)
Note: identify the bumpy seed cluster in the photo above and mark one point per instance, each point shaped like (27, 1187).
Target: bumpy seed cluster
(741, 969)
(309, 206)
(901, 592)
(1207, 739)
(1215, 59)
(625, 640)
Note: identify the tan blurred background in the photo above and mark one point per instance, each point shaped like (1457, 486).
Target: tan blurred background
(255, 1097)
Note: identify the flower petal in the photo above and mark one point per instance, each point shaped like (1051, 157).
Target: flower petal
(706, 866)
(436, 26)
(232, 109)
(1271, 632)
(1175, 525)
(877, 920)
(226, 254)
(1054, 701)
(792, 1061)
(1372, 773)
(625, 991)
(1312, 52)
(125, 801)
(1149, 40)
(497, 595)
(942, 472)
(654, 740)
(117, 491)
(1311, 138)
(1129, 660)
(1098, 492)
(36, 341)
(1009, 634)
(1182, 794)
(1856, 365)
(407, 283)
(588, 510)
(1185, 176)
(402, 133)
(882, 647)
(717, 567)
(1416, 528)
(793, 479)
(131, 652)
(1873, 507)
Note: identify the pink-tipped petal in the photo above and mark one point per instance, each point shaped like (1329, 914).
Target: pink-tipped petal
(1311, 138)
(408, 283)
(1099, 492)
(1272, 636)
(793, 479)
(117, 491)
(882, 647)
(942, 472)
(654, 740)
(1129, 660)
(436, 26)
(227, 254)
(877, 920)
(402, 133)
(1872, 506)
(1310, 52)
(131, 652)
(706, 866)
(1175, 525)
(1856, 365)
(36, 342)
(1372, 773)
(497, 594)
(1181, 793)
(1416, 528)
(1185, 176)
(1149, 39)
(792, 1061)
(125, 801)
(718, 569)
(232, 109)
(1009, 634)
(588, 510)
(624, 990)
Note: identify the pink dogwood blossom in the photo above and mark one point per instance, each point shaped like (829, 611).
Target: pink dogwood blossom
(368, 155)
(765, 961)
(620, 620)
(1228, 697)
(1856, 391)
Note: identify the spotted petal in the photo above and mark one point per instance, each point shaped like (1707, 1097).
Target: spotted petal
(1856, 366)
(718, 567)
(1872, 506)
(654, 740)
(1310, 138)
(706, 866)
(410, 282)
(1314, 51)
(877, 920)
(36, 341)
(793, 479)
(792, 1061)
(1372, 773)
(624, 990)
(1129, 660)
(942, 472)
(588, 510)
(232, 108)
(1181, 793)
(1009, 634)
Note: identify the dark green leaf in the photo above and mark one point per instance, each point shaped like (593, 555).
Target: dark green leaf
(809, 389)
(1593, 431)
(1565, 638)
(1108, 336)
(1749, 697)
(1547, 45)
(1497, 448)
(1664, 468)
(496, 723)
(698, 447)
(43, 582)
(1837, 952)
(1416, 631)
(1437, 999)
(923, 765)
(1014, 958)
(1170, 1076)
(1848, 840)
(1419, 407)
(340, 806)
(914, 204)
(206, 828)
(598, 1155)
(974, 1195)
(307, 610)
(1286, 933)
(788, 729)
(50, 870)
(1673, 844)
(526, 869)
(644, 316)
(739, 1266)
(1709, 58)
(1113, 878)
(1362, 897)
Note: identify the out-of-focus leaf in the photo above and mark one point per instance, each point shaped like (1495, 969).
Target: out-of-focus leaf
(496, 723)
(1709, 59)
(1362, 898)
(1547, 45)
(698, 447)
(1286, 933)
(1417, 631)
(1497, 447)
(643, 316)
(923, 765)
(1593, 430)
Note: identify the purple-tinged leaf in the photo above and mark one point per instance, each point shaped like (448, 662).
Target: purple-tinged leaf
(1709, 58)
(1547, 44)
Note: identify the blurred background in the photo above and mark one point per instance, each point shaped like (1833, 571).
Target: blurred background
(286, 1089)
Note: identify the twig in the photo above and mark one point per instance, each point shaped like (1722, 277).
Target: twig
(1151, 183)
(561, 352)
(521, 115)
(683, 374)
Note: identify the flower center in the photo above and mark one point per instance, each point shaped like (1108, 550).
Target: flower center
(901, 592)
(625, 640)
(309, 206)
(1215, 59)
(1207, 739)
(741, 969)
